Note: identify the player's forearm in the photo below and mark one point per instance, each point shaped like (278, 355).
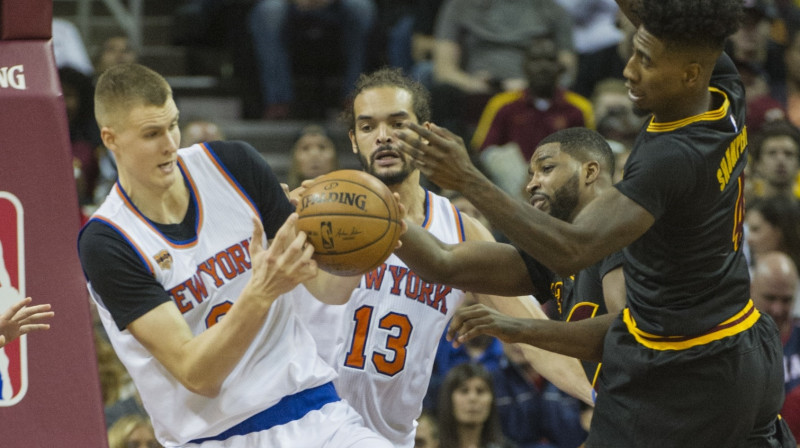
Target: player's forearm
(212, 355)
(424, 254)
(564, 372)
(582, 339)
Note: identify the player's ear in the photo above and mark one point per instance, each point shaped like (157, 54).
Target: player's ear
(591, 171)
(109, 138)
(691, 74)
(353, 143)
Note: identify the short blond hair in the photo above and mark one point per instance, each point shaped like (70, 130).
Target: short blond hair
(124, 86)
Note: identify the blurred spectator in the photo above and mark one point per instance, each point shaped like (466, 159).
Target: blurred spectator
(772, 287)
(513, 123)
(427, 435)
(84, 135)
(113, 376)
(467, 410)
(788, 93)
(484, 350)
(313, 154)
(68, 47)
(596, 39)
(526, 417)
(761, 106)
(422, 40)
(132, 431)
(750, 42)
(480, 51)
(772, 223)
(199, 130)
(270, 21)
(116, 49)
(616, 120)
(775, 158)
(613, 112)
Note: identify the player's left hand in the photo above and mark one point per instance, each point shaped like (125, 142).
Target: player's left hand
(474, 320)
(438, 154)
(21, 319)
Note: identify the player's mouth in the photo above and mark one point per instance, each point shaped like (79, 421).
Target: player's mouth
(538, 201)
(386, 157)
(634, 95)
(167, 167)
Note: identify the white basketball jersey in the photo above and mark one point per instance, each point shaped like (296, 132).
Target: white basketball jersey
(205, 276)
(385, 338)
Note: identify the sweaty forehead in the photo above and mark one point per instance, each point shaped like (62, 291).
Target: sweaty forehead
(547, 151)
(383, 100)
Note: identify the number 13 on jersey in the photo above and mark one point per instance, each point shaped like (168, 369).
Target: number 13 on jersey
(397, 329)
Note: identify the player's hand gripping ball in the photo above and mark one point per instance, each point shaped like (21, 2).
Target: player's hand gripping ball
(352, 220)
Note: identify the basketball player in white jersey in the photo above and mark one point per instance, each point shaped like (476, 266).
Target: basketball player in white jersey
(384, 340)
(197, 308)
(16, 319)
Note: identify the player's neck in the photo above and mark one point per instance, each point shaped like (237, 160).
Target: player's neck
(412, 196)
(686, 108)
(164, 206)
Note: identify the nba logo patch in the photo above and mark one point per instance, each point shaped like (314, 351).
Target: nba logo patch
(14, 355)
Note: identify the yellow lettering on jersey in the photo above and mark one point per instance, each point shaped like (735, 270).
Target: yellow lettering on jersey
(731, 158)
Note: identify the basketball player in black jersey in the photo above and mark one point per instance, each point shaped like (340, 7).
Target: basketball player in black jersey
(690, 362)
(568, 169)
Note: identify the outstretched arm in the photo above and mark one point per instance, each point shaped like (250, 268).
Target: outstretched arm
(607, 224)
(582, 339)
(22, 319)
(564, 372)
(478, 266)
(202, 363)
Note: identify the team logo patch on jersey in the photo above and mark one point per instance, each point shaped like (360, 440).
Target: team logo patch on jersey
(14, 355)
(164, 260)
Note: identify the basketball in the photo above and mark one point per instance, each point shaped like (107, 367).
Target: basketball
(352, 220)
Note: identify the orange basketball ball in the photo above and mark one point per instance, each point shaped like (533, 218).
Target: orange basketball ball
(352, 220)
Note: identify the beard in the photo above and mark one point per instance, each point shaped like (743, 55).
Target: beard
(388, 179)
(565, 199)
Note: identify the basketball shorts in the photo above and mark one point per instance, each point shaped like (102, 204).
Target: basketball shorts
(725, 393)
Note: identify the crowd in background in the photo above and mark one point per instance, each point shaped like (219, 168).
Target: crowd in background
(502, 78)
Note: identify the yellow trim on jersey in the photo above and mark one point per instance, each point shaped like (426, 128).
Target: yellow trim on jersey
(591, 305)
(738, 323)
(489, 112)
(584, 105)
(712, 115)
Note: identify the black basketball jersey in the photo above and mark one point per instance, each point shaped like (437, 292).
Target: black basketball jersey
(578, 296)
(687, 273)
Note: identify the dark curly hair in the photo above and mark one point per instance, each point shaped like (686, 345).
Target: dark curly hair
(389, 77)
(692, 23)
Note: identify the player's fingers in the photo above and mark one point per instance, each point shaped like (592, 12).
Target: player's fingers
(14, 309)
(25, 329)
(31, 311)
(446, 133)
(286, 234)
(257, 242)
(2, 341)
(37, 318)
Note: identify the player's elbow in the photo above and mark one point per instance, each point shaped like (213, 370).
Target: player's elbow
(199, 385)
(571, 259)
